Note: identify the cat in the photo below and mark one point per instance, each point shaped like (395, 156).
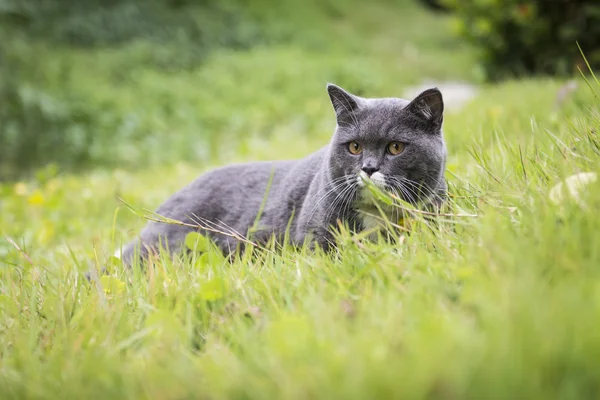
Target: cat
(395, 144)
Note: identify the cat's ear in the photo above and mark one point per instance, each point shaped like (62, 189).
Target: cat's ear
(429, 107)
(344, 103)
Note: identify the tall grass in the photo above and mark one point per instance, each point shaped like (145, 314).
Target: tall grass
(500, 305)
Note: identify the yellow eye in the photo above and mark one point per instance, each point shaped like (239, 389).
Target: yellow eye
(354, 148)
(395, 148)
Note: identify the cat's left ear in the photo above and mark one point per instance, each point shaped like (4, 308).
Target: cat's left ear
(429, 107)
(344, 103)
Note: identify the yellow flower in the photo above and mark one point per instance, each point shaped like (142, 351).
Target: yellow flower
(36, 198)
(112, 285)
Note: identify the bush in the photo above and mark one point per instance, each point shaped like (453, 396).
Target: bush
(522, 37)
(191, 29)
(437, 5)
(44, 120)
(38, 129)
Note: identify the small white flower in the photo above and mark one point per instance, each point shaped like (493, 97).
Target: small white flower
(574, 183)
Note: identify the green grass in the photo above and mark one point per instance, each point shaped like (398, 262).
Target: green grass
(502, 305)
(139, 103)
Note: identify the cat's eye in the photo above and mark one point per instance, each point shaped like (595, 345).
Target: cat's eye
(395, 148)
(354, 148)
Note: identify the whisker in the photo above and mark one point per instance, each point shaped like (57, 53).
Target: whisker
(341, 197)
(412, 190)
(336, 184)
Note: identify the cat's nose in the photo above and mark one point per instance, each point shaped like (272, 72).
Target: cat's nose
(370, 170)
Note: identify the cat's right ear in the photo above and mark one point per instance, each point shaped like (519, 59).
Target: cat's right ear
(429, 107)
(344, 103)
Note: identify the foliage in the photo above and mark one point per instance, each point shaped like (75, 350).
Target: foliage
(44, 124)
(520, 37)
(437, 5)
(140, 98)
(35, 125)
(190, 29)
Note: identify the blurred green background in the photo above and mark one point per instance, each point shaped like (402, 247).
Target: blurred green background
(136, 83)
(102, 100)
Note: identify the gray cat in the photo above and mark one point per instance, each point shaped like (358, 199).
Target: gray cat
(395, 144)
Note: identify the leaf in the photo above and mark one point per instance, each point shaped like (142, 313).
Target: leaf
(114, 262)
(210, 259)
(213, 289)
(378, 194)
(197, 242)
(112, 285)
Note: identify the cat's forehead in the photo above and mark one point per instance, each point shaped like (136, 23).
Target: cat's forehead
(380, 116)
(383, 108)
(390, 103)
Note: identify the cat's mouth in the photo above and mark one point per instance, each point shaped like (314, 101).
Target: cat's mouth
(377, 178)
(406, 190)
(365, 195)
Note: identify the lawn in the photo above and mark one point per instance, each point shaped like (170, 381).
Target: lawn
(500, 299)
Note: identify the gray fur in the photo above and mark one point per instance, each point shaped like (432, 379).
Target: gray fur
(308, 196)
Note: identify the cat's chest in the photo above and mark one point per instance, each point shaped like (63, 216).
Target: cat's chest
(370, 223)
(372, 217)
(374, 221)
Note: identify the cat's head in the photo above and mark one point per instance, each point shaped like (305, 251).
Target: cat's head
(396, 144)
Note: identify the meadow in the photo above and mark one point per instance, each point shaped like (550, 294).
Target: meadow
(499, 299)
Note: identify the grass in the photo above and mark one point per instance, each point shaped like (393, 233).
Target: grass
(138, 104)
(502, 305)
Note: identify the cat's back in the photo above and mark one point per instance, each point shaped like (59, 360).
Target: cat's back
(220, 188)
(231, 189)
(254, 177)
